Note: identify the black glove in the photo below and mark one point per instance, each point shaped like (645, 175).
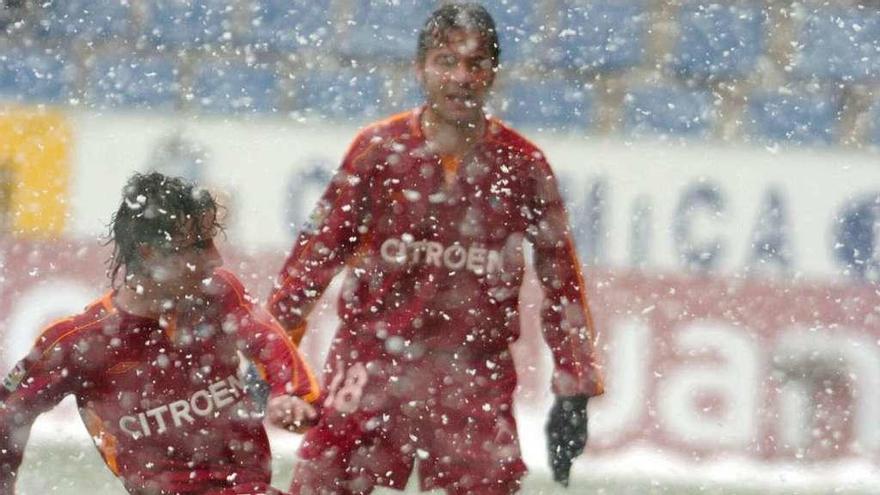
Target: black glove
(566, 434)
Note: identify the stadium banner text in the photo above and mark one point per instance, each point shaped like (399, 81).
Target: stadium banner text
(700, 208)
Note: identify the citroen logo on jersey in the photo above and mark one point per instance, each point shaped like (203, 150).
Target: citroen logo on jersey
(206, 402)
(476, 259)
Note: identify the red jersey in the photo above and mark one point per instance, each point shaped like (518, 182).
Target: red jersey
(163, 400)
(431, 301)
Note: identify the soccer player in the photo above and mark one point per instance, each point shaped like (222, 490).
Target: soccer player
(154, 364)
(429, 211)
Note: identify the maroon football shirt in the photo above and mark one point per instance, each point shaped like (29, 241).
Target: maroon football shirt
(434, 246)
(163, 400)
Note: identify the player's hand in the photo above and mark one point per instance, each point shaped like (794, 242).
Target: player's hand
(566, 434)
(291, 413)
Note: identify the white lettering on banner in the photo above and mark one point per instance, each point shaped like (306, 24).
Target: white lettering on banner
(807, 349)
(794, 417)
(606, 179)
(455, 257)
(656, 365)
(202, 403)
(735, 380)
(626, 374)
(769, 229)
(746, 386)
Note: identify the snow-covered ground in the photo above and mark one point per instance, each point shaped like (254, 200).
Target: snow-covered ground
(637, 465)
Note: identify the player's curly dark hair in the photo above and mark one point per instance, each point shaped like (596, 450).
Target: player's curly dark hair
(468, 16)
(154, 211)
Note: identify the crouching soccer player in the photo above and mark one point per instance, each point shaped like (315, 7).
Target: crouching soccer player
(154, 363)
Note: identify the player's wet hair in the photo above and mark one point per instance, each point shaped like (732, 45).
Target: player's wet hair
(466, 16)
(156, 210)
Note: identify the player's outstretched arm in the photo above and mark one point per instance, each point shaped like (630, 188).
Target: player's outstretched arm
(266, 345)
(327, 242)
(566, 322)
(565, 314)
(35, 385)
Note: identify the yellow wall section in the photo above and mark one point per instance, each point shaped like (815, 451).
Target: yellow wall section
(37, 144)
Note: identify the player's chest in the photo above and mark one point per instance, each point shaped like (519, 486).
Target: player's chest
(475, 199)
(155, 364)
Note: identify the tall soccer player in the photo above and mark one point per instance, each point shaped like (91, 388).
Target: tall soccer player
(429, 211)
(154, 364)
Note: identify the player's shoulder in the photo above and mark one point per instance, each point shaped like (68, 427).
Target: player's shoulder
(69, 330)
(389, 127)
(504, 136)
(379, 134)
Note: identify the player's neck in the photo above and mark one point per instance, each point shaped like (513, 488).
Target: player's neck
(451, 138)
(139, 300)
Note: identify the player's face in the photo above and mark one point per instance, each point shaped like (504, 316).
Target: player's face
(182, 269)
(456, 76)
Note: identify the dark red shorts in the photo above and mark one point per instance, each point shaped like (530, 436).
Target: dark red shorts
(351, 454)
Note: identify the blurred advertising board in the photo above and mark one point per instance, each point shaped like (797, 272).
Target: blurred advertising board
(34, 171)
(671, 207)
(694, 364)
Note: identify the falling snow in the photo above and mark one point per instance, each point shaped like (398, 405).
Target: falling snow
(717, 162)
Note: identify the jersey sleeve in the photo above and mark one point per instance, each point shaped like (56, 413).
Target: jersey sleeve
(565, 313)
(324, 246)
(265, 343)
(36, 384)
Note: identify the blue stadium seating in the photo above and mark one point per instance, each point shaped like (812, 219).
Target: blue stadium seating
(552, 104)
(386, 28)
(719, 40)
(132, 82)
(33, 76)
(83, 19)
(187, 23)
(667, 111)
(519, 24)
(345, 94)
(234, 87)
(289, 25)
(600, 35)
(807, 119)
(840, 44)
